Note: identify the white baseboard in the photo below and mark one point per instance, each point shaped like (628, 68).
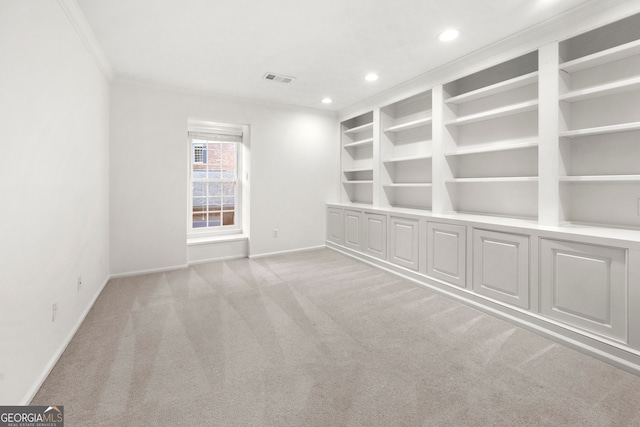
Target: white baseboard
(311, 248)
(31, 393)
(225, 258)
(153, 270)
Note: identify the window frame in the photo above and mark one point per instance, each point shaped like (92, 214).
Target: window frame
(219, 132)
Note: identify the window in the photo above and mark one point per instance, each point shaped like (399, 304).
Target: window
(199, 153)
(215, 190)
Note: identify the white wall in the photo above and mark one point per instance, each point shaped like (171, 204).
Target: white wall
(54, 168)
(294, 160)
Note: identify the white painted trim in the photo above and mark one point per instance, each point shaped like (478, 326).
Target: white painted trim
(194, 241)
(31, 393)
(291, 251)
(151, 270)
(224, 258)
(82, 27)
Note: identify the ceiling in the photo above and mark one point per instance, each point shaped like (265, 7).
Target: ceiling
(226, 46)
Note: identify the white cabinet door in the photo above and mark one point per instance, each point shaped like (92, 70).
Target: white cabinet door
(585, 286)
(404, 242)
(375, 235)
(446, 257)
(501, 266)
(352, 229)
(334, 225)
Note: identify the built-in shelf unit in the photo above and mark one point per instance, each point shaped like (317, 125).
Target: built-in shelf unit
(406, 151)
(513, 186)
(358, 159)
(490, 140)
(599, 74)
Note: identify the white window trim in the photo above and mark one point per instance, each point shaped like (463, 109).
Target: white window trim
(201, 126)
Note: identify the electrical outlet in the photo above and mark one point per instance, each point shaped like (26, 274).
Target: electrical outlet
(79, 283)
(275, 232)
(54, 312)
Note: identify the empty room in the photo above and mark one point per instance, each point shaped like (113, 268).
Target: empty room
(320, 213)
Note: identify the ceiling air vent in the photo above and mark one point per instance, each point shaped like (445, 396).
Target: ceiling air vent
(278, 78)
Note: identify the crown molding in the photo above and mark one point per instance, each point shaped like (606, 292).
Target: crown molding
(82, 27)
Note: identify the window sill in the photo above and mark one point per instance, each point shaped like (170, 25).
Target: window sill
(192, 241)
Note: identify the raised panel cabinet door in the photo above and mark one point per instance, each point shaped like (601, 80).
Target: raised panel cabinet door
(352, 230)
(501, 266)
(446, 257)
(404, 242)
(334, 225)
(585, 286)
(375, 235)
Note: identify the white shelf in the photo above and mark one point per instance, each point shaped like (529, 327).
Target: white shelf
(409, 125)
(602, 90)
(408, 158)
(358, 182)
(601, 178)
(360, 143)
(360, 128)
(615, 53)
(494, 147)
(494, 89)
(496, 113)
(358, 170)
(409, 185)
(624, 127)
(495, 179)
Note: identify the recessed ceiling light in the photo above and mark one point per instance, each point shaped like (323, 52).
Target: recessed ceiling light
(448, 35)
(371, 77)
(327, 100)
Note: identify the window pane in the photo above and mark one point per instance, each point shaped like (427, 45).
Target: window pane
(215, 189)
(199, 220)
(199, 204)
(215, 204)
(229, 189)
(199, 189)
(229, 155)
(213, 160)
(198, 157)
(228, 218)
(214, 219)
(229, 203)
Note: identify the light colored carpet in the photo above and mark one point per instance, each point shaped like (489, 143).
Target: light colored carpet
(318, 339)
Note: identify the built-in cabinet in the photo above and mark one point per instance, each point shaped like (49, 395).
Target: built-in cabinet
(579, 285)
(375, 235)
(515, 187)
(501, 266)
(405, 245)
(353, 229)
(585, 286)
(446, 256)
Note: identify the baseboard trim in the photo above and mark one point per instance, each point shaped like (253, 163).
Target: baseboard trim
(152, 270)
(291, 251)
(56, 356)
(224, 258)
